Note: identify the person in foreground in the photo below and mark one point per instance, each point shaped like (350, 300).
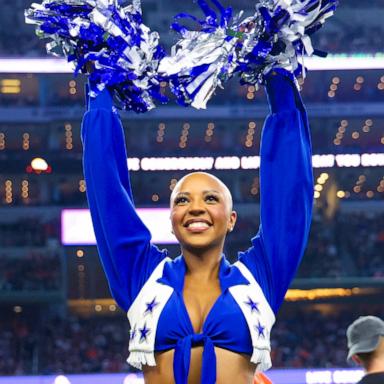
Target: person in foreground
(198, 319)
(366, 347)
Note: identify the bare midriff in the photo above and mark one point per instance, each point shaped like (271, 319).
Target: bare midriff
(231, 368)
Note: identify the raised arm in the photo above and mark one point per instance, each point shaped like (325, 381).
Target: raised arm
(286, 188)
(123, 240)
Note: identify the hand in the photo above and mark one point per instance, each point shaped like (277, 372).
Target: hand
(89, 67)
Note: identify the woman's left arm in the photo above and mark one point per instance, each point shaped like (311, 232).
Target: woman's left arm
(286, 191)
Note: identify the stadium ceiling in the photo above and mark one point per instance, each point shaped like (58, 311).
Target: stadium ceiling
(332, 62)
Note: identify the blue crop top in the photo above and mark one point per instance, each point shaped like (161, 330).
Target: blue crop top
(219, 322)
(129, 258)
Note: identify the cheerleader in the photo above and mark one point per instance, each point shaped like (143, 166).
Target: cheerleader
(199, 319)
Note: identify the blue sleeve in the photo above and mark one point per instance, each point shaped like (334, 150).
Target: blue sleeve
(123, 241)
(286, 192)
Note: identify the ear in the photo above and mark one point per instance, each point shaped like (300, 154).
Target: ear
(232, 221)
(356, 359)
(170, 220)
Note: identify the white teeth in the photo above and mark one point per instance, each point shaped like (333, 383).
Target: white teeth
(198, 224)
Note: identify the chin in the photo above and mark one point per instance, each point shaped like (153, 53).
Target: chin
(199, 245)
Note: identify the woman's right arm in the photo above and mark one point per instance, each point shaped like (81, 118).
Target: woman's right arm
(123, 241)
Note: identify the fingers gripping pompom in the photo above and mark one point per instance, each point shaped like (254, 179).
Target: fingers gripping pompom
(122, 51)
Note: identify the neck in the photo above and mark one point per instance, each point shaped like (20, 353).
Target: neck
(375, 366)
(203, 265)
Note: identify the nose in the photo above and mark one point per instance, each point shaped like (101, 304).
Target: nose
(196, 207)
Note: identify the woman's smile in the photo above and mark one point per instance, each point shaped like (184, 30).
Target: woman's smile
(197, 225)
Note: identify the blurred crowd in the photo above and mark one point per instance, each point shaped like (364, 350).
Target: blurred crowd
(351, 39)
(30, 271)
(29, 232)
(306, 339)
(100, 344)
(351, 244)
(63, 344)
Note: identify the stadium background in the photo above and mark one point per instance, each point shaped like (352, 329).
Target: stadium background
(57, 317)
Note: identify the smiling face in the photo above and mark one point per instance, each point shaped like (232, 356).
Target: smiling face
(201, 212)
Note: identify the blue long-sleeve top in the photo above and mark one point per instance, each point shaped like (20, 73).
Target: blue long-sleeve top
(124, 243)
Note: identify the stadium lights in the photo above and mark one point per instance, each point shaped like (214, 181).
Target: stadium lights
(348, 160)
(340, 376)
(35, 65)
(323, 161)
(247, 162)
(61, 380)
(10, 86)
(176, 163)
(77, 228)
(227, 162)
(345, 62)
(39, 165)
(332, 62)
(250, 162)
(277, 376)
(372, 160)
(320, 293)
(88, 305)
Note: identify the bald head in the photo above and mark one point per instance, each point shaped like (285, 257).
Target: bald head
(206, 180)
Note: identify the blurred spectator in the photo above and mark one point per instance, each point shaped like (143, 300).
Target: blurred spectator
(366, 347)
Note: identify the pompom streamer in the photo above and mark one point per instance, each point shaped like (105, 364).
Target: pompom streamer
(276, 36)
(120, 51)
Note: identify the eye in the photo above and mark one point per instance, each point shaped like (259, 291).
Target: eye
(180, 200)
(211, 198)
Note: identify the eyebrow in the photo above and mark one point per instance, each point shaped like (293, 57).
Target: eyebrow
(204, 192)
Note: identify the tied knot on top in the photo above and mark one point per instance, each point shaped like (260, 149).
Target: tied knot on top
(182, 358)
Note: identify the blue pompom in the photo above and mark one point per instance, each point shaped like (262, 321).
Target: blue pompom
(277, 35)
(122, 51)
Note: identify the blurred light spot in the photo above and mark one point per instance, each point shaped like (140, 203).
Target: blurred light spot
(39, 164)
(61, 380)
